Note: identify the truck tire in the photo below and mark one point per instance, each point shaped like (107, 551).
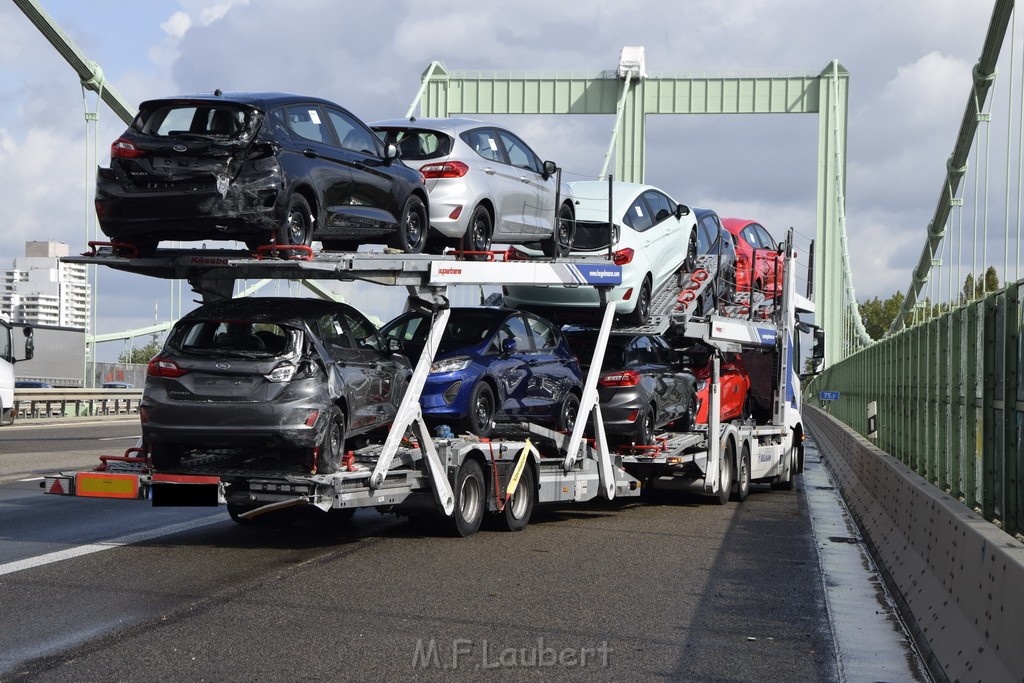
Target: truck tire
(516, 514)
(725, 472)
(470, 500)
(741, 487)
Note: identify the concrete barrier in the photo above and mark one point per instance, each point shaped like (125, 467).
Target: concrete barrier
(959, 578)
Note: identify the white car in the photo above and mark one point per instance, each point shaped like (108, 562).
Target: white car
(652, 236)
(486, 185)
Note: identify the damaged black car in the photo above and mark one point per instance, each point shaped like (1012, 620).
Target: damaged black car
(261, 168)
(287, 379)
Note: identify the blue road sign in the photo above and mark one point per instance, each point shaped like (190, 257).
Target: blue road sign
(829, 395)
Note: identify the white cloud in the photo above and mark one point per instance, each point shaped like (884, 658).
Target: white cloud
(177, 25)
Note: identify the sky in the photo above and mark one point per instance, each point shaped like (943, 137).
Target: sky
(909, 62)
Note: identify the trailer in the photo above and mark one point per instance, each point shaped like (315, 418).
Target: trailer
(459, 479)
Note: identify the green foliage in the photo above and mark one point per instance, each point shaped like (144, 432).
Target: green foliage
(975, 290)
(140, 354)
(878, 315)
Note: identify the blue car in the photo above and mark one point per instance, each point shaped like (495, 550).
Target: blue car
(494, 365)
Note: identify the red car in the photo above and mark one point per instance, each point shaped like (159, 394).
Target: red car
(758, 260)
(735, 382)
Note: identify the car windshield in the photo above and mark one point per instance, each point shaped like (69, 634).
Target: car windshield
(467, 327)
(416, 144)
(200, 120)
(590, 235)
(233, 338)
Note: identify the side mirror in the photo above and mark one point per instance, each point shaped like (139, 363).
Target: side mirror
(30, 346)
(682, 210)
(508, 346)
(818, 350)
(390, 151)
(550, 168)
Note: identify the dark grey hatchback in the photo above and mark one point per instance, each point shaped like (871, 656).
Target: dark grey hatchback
(288, 378)
(261, 168)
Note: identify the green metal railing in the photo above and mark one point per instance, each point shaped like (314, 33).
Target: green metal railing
(950, 401)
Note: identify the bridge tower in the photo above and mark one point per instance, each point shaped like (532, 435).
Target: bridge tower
(631, 94)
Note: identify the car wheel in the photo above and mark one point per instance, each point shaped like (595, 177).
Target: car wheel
(165, 456)
(725, 472)
(519, 507)
(470, 500)
(297, 229)
(643, 432)
(332, 447)
(480, 419)
(690, 264)
(741, 487)
(563, 234)
(639, 314)
(689, 420)
(478, 234)
(412, 230)
(568, 413)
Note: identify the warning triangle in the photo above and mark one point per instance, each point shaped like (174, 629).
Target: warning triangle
(56, 488)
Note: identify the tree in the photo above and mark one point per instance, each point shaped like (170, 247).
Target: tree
(877, 315)
(140, 354)
(976, 290)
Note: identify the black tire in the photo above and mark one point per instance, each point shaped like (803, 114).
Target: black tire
(332, 446)
(165, 456)
(643, 433)
(688, 421)
(725, 472)
(518, 509)
(638, 316)
(480, 419)
(785, 482)
(568, 413)
(563, 234)
(800, 458)
(297, 228)
(690, 262)
(411, 235)
(340, 245)
(741, 487)
(470, 500)
(478, 234)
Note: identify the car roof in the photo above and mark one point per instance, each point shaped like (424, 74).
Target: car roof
(256, 99)
(592, 198)
(266, 309)
(450, 125)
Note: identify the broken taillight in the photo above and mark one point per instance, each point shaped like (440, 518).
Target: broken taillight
(125, 149)
(161, 367)
(445, 169)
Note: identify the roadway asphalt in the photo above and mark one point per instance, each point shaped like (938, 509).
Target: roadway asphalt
(673, 589)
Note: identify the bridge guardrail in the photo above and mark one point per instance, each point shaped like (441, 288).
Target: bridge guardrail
(39, 403)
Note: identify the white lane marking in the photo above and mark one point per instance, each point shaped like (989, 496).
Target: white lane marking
(116, 438)
(89, 548)
(33, 479)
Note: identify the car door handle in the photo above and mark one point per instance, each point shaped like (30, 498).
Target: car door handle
(312, 154)
(360, 165)
(523, 179)
(532, 362)
(489, 171)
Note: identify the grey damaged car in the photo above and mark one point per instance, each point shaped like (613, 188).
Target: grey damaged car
(281, 378)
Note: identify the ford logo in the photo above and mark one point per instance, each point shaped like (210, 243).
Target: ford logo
(180, 148)
(223, 366)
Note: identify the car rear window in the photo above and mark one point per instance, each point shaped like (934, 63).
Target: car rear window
(216, 337)
(582, 345)
(181, 119)
(417, 144)
(590, 235)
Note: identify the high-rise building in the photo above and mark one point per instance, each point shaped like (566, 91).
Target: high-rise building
(42, 290)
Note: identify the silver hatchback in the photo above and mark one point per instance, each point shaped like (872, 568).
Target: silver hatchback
(486, 185)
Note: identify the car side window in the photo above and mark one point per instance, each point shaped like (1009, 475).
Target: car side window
(412, 328)
(749, 234)
(637, 216)
(666, 354)
(332, 332)
(353, 136)
(767, 241)
(519, 154)
(304, 120)
(544, 336)
(643, 350)
(660, 206)
(705, 235)
(515, 328)
(484, 142)
(364, 334)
